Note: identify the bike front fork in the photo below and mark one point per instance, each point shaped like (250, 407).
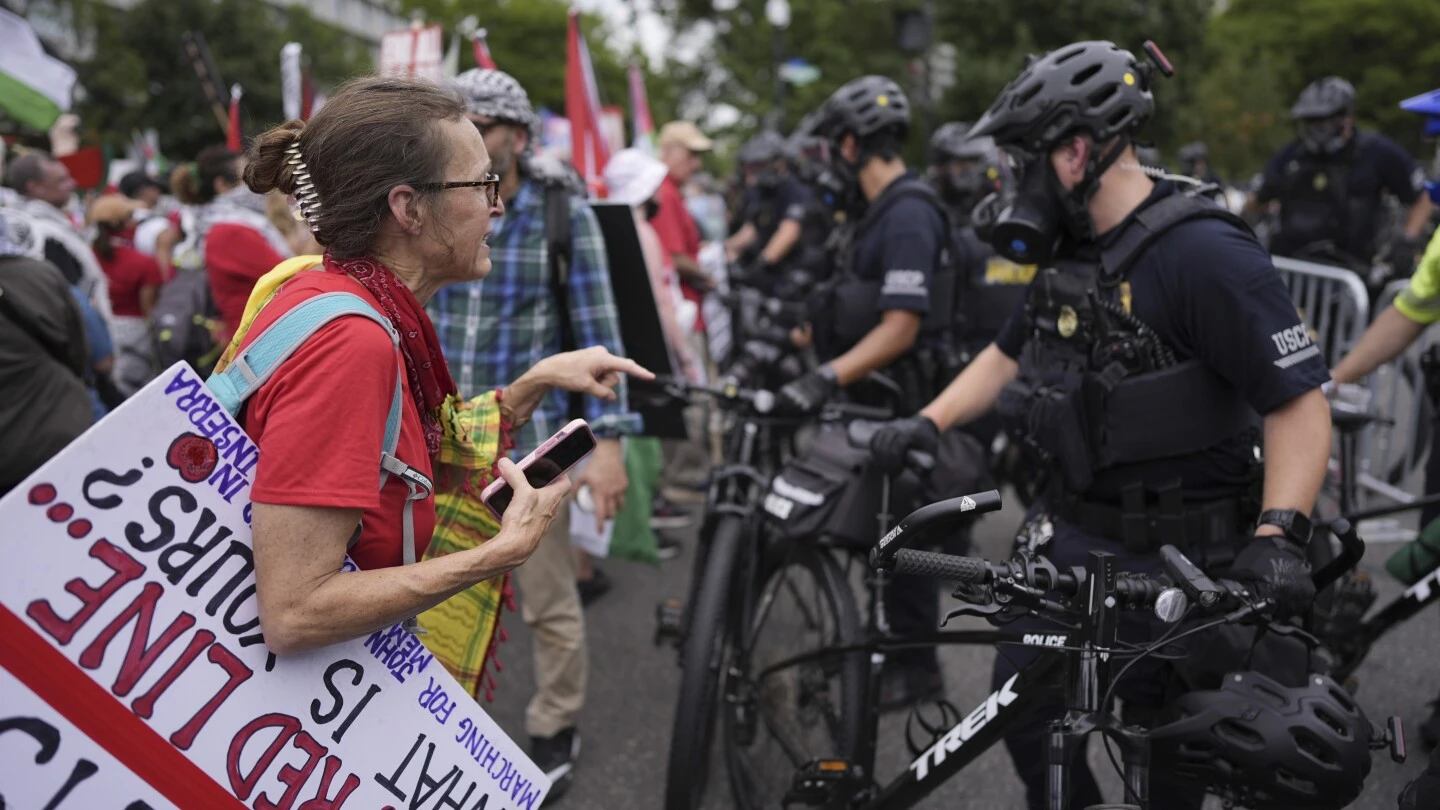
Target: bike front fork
(1066, 741)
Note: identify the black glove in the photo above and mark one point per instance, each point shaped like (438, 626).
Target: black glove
(1425, 790)
(808, 394)
(892, 442)
(1279, 571)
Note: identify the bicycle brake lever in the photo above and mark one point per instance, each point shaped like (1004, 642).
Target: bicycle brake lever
(982, 611)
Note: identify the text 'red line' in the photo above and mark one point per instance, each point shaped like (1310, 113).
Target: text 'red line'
(98, 715)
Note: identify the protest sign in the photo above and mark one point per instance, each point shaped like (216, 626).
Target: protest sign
(640, 328)
(133, 672)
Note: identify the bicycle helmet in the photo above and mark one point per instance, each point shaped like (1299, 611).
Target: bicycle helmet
(1428, 105)
(1095, 86)
(863, 107)
(1324, 98)
(953, 141)
(1193, 151)
(766, 147)
(1268, 745)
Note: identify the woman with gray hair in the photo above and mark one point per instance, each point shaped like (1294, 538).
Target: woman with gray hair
(397, 186)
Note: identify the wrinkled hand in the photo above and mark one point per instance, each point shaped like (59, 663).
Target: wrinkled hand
(808, 394)
(594, 371)
(1279, 571)
(528, 516)
(891, 443)
(605, 476)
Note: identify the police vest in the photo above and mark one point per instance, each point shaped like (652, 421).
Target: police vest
(1097, 388)
(991, 288)
(1316, 203)
(853, 300)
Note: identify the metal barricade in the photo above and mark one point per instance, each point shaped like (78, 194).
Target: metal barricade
(1332, 301)
(1396, 454)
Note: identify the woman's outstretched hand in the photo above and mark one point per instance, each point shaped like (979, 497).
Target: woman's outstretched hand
(594, 371)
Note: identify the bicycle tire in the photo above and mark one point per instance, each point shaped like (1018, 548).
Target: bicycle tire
(701, 666)
(852, 671)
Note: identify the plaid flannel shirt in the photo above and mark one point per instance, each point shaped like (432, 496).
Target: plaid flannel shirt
(493, 331)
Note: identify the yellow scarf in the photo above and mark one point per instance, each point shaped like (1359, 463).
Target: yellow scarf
(462, 631)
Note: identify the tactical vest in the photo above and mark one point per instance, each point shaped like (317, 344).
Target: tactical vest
(1316, 204)
(1097, 388)
(991, 288)
(855, 300)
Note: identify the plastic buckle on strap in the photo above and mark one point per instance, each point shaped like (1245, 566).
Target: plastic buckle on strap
(1134, 523)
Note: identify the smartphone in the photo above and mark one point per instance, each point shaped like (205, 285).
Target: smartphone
(550, 460)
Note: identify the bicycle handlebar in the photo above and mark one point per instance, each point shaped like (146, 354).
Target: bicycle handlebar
(1136, 591)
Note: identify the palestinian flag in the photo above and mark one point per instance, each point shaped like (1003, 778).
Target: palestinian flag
(34, 86)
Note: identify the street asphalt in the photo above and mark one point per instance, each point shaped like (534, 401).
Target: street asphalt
(625, 725)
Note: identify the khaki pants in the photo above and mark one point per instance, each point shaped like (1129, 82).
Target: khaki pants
(550, 606)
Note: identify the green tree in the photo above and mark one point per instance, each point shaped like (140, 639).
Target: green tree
(1261, 53)
(852, 38)
(528, 40)
(138, 77)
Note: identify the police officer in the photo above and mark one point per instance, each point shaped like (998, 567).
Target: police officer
(963, 170)
(1330, 179)
(1153, 335)
(889, 307)
(775, 211)
(1195, 162)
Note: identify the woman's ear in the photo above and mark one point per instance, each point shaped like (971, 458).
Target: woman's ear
(405, 208)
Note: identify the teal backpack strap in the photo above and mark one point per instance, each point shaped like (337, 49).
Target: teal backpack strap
(256, 363)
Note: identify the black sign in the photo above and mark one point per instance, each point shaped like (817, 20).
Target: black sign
(640, 327)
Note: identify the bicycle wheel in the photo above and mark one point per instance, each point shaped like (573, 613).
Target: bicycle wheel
(778, 718)
(701, 659)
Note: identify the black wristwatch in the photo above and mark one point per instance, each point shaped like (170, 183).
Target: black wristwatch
(1292, 522)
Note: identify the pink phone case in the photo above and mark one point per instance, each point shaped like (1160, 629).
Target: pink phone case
(540, 452)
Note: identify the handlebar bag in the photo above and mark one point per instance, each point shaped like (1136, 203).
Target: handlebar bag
(828, 493)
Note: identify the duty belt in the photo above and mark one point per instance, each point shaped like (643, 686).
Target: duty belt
(1212, 527)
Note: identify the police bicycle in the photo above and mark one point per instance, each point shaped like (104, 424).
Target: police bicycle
(1085, 603)
(703, 626)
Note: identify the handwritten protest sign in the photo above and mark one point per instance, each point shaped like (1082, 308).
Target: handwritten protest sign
(133, 673)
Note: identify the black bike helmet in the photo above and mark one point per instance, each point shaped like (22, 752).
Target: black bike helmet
(1269, 746)
(954, 141)
(863, 107)
(1324, 98)
(1095, 86)
(766, 147)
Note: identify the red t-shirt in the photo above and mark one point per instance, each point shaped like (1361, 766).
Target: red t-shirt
(236, 257)
(678, 234)
(319, 423)
(129, 271)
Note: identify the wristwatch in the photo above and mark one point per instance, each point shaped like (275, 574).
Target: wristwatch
(1292, 522)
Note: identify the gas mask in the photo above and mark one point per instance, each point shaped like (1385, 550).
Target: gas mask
(961, 183)
(1323, 136)
(838, 185)
(1031, 219)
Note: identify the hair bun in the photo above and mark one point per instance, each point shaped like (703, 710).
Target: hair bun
(267, 168)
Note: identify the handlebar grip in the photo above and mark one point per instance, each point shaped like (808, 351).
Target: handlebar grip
(942, 566)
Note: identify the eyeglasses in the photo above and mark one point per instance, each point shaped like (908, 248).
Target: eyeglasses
(491, 184)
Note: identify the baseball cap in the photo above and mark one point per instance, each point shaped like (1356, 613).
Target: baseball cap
(112, 209)
(685, 134)
(632, 177)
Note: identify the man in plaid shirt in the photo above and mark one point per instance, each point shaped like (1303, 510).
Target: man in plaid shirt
(490, 333)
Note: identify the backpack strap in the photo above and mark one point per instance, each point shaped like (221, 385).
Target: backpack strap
(254, 365)
(559, 251)
(1152, 222)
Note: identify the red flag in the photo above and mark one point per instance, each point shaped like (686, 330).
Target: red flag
(307, 95)
(640, 109)
(482, 51)
(588, 151)
(233, 136)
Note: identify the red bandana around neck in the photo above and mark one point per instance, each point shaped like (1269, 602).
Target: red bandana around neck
(425, 366)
